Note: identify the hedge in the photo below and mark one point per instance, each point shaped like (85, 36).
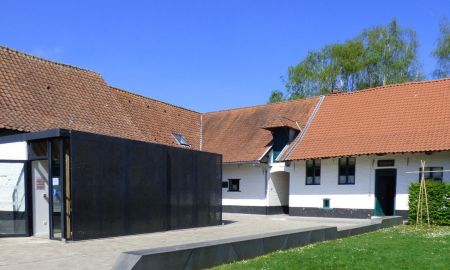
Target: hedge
(438, 203)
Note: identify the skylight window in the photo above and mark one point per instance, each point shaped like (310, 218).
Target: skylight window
(181, 139)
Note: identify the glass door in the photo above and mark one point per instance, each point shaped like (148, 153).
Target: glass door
(50, 156)
(40, 190)
(57, 194)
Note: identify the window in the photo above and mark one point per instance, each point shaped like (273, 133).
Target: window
(433, 173)
(313, 172)
(233, 185)
(181, 139)
(386, 163)
(347, 171)
(326, 203)
(224, 184)
(37, 149)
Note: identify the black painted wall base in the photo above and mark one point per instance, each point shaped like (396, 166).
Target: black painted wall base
(338, 212)
(402, 213)
(257, 210)
(330, 212)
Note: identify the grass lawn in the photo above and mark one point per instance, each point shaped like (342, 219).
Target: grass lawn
(400, 247)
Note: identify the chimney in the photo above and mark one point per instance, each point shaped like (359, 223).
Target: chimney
(336, 91)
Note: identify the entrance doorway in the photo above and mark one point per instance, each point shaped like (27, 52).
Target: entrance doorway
(48, 190)
(40, 187)
(385, 190)
(279, 191)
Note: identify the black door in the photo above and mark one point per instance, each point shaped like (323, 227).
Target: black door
(385, 189)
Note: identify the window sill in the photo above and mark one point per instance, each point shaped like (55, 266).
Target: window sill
(233, 191)
(312, 184)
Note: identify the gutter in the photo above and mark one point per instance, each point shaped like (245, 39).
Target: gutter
(254, 162)
(305, 129)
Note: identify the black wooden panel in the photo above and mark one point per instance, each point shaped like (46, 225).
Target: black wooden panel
(122, 187)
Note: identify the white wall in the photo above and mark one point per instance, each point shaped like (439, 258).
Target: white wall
(252, 185)
(11, 151)
(278, 189)
(360, 195)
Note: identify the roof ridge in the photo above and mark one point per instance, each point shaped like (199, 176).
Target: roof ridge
(33, 57)
(388, 86)
(142, 96)
(263, 105)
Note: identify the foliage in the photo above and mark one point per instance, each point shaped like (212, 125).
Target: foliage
(442, 52)
(276, 96)
(390, 56)
(378, 56)
(400, 247)
(438, 202)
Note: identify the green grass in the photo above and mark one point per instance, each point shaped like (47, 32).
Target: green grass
(400, 247)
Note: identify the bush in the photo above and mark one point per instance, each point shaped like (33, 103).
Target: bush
(438, 203)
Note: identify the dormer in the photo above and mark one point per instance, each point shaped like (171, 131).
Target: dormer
(283, 130)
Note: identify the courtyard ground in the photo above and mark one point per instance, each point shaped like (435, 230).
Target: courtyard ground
(37, 253)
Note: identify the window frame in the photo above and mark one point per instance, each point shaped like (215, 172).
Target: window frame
(432, 177)
(230, 185)
(314, 171)
(386, 163)
(181, 140)
(326, 203)
(347, 171)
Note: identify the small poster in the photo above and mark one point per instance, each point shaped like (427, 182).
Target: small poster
(40, 184)
(55, 181)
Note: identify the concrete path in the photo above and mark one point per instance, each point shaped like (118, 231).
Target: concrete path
(35, 253)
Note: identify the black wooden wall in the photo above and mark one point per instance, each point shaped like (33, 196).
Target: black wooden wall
(122, 187)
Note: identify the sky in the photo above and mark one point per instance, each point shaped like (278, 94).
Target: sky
(203, 55)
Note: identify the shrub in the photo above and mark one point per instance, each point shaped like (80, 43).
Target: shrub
(438, 203)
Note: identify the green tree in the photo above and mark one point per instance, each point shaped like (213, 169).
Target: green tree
(276, 96)
(314, 75)
(390, 55)
(442, 52)
(378, 56)
(347, 62)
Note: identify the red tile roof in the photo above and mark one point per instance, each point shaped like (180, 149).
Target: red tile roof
(409, 117)
(156, 120)
(280, 121)
(37, 94)
(240, 134)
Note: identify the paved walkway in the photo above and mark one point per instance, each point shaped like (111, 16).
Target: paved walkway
(35, 253)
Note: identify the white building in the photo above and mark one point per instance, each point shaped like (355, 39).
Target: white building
(339, 155)
(352, 155)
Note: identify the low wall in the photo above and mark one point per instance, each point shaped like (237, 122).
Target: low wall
(211, 253)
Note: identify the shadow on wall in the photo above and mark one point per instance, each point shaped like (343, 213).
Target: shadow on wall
(280, 182)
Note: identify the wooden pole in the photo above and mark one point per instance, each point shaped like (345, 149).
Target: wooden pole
(418, 200)
(419, 204)
(422, 193)
(426, 202)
